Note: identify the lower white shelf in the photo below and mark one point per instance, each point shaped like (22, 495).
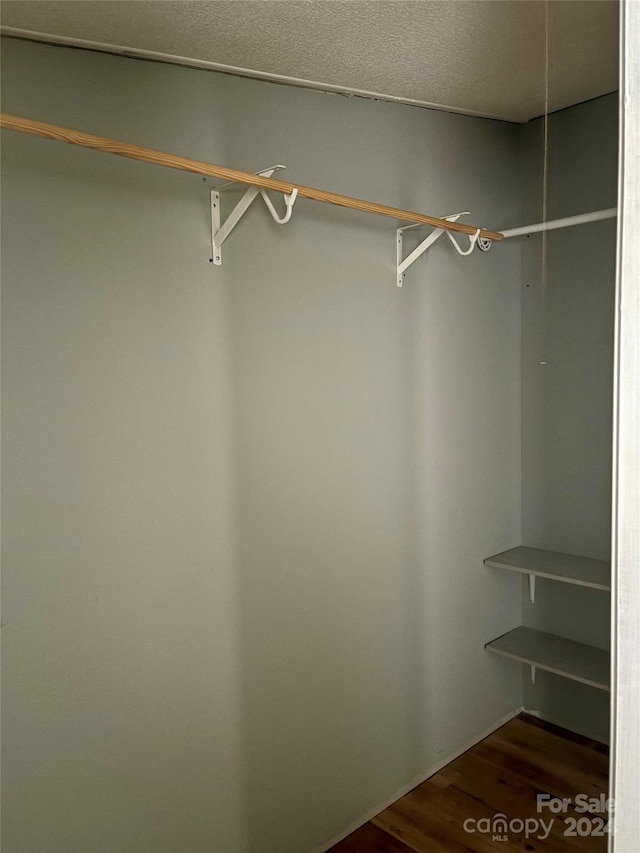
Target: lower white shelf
(567, 658)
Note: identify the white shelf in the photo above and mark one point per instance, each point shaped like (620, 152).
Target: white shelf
(535, 562)
(567, 658)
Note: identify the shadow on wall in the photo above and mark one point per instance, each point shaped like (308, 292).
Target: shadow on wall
(331, 594)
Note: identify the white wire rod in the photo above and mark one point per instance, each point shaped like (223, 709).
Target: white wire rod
(567, 222)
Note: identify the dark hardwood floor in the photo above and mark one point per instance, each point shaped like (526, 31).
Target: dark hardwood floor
(503, 774)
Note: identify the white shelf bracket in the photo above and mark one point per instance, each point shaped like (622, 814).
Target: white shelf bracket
(220, 232)
(533, 674)
(403, 264)
(532, 588)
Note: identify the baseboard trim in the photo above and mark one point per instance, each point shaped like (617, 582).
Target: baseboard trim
(544, 722)
(417, 781)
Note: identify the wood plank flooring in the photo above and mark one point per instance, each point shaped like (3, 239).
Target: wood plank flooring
(501, 774)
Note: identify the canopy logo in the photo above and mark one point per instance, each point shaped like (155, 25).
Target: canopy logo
(590, 817)
(499, 826)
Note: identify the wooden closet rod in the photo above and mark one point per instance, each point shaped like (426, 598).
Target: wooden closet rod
(160, 158)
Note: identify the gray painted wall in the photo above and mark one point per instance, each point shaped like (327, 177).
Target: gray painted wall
(245, 508)
(568, 314)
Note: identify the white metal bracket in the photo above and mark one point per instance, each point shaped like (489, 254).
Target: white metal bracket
(220, 232)
(532, 588)
(403, 264)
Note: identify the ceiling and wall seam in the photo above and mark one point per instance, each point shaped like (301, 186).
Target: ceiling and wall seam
(218, 68)
(485, 59)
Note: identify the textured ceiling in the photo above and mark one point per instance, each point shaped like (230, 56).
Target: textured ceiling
(480, 56)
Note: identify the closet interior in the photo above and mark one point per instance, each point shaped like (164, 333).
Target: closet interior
(305, 491)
